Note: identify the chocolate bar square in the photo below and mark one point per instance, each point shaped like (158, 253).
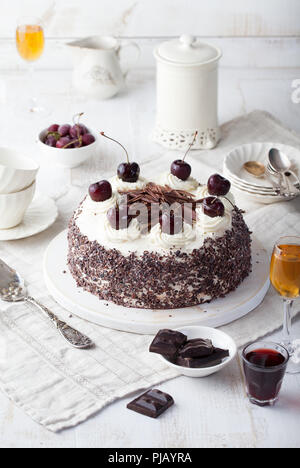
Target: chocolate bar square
(152, 403)
(167, 343)
(207, 361)
(197, 347)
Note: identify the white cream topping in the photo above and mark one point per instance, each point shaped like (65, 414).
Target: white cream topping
(172, 181)
(167, 241)
(202, 192)
(217, 225)
(118, 184)
(123, 235)
(92, 222)
(99, 207)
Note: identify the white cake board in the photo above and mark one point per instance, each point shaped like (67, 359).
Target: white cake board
(235, 305)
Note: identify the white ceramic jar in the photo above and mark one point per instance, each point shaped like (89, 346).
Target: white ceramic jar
(187, 93)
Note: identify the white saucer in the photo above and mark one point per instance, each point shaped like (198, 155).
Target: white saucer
(40, 215)
(235, 159)
(258, 189)
(62, 287)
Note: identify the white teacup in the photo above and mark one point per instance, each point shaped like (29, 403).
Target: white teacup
(14, 205)
(16, 172)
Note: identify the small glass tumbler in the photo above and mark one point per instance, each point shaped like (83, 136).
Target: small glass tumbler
(264, 366)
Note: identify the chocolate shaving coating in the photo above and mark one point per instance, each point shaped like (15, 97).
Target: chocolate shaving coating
(154, 281)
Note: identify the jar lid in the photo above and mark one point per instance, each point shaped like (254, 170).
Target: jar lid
(187, 50)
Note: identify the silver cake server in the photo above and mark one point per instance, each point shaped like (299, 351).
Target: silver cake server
(12, 289)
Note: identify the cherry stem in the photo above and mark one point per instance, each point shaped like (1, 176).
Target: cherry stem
(78, 118)
(55, 134)
(109, 138)
(79, 140)
(230, 202)
(190, 145)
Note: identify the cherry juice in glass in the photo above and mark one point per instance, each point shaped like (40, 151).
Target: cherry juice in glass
(264, 368)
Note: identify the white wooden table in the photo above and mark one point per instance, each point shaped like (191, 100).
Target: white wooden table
(212, 412)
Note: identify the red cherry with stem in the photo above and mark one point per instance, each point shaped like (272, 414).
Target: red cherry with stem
(127, 172)
(77, 143)
(213, 207)
(87, 139)
(63, 142)
(181, 169)
(77, 129)
(171, 224)
(118, 217)
(218, 185)
(50, 141)
(63, 130)
(53, 128)
(100, 191)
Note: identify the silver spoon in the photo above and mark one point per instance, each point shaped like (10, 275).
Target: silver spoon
(12, 289)
(280, 163)
(291, 181)
(259, 170)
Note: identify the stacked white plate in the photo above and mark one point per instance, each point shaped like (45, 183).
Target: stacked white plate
(259, 189)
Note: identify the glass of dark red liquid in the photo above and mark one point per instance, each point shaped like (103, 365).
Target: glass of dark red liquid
(264, 366)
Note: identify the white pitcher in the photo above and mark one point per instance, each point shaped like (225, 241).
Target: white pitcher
(97, 70)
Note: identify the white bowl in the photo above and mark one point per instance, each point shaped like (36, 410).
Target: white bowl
(16, 171)
(14, 205)
(219, 340)
(67, 158)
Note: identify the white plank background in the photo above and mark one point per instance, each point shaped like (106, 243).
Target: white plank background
(255, 33)
(66, 18)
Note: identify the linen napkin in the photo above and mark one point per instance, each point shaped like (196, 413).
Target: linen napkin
(58, 386)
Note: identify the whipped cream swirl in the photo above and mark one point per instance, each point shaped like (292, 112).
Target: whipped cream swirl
(172, 181)
(211, 226)
(122, 235)
(118, 184)
(202, 192)
(167, 241)
(95, 208)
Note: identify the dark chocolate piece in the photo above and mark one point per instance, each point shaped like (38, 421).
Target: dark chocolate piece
(152, 403)
(167, 343)
(197, 347)
(208, 361)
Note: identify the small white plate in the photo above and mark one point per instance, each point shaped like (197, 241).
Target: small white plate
(40, 215)
(259, 198)
(249, 188)
(219, 340)
(246, 186)
(234, 161)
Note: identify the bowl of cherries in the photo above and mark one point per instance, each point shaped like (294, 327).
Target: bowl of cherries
(67, 145)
